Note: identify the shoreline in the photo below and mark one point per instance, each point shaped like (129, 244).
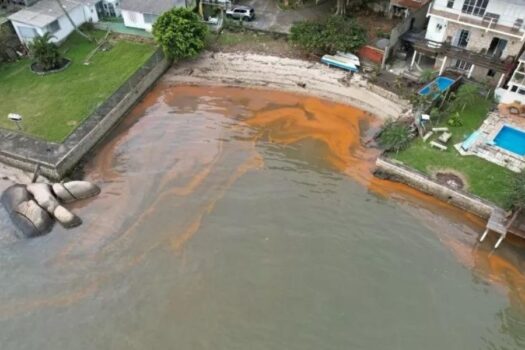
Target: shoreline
(251, 70)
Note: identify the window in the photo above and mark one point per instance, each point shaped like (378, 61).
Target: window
(463, 65)
(521, 92)
(149, 18)
(53, 27)
(475, 7)
(27, 32)
(450, 4)
(491, 73)
(463, 37)
(514, 88)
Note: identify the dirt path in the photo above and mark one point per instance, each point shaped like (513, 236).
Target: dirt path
(253, 70)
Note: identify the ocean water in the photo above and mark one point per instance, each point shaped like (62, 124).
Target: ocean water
(248, 219)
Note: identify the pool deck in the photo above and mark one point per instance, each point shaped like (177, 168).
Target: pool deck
(484, 147)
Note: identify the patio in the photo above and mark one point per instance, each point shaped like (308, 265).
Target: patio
(482, 143)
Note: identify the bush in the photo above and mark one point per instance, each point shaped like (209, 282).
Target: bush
(455, 120)
(181, 33)
(44, 52)
(329, 35)
(395, 136)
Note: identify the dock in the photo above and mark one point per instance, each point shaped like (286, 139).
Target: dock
(501, 224)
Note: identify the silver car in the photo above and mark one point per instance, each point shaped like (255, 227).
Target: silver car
(245, 13)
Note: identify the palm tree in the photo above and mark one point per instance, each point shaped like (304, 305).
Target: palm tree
(45, 52)
(467, 94)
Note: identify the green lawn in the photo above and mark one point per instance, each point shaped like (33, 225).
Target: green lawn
(485, 179)
(53, 105)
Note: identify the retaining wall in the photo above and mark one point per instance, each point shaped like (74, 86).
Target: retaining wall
(390, 170)
(57, 159)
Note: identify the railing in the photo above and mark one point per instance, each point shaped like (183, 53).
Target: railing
(217, 3)
(478, 59)
(488, 22)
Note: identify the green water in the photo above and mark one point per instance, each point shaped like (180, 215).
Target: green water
(205, 239)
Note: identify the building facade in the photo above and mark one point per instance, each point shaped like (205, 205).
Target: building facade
(142, 14)
(481, 39)
(46, 16)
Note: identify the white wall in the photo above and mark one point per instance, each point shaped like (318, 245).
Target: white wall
(507, 96)
(509, 10)
(436, 29)
(135, 20)
(79, 15)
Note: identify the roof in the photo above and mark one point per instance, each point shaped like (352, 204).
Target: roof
(44, 12)
(410, 4)
(154, 7)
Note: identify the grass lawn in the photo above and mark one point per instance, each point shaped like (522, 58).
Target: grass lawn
(485, 179)
(53, 105)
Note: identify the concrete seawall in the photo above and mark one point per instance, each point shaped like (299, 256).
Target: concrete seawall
(390, 170)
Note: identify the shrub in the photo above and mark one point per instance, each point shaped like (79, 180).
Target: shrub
(329, 35)
(455, 120)
(181, 33)
(467, 94)
(395, 136)
(44, 52)
(427, 75)
(517, 194)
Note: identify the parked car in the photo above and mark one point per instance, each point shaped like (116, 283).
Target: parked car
(245, 13)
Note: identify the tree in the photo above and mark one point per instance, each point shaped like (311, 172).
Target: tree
(395, 136)
(180, 32)
(427, 75)
(45, 52)
(9, 44)
(517, 195)
(328, 35)
(467, 94)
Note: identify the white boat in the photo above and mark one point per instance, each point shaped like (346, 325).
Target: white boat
(340, 62)
(350, 56)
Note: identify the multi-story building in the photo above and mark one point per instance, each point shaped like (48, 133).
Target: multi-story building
(514, 90)
(479, 38)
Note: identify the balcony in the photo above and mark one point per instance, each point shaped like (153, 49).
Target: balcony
(218, 3)
(434, 48)
(490, 22)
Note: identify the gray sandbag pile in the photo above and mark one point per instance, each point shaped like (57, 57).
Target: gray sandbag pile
(34, 208)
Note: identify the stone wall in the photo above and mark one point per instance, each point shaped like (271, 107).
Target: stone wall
(390, 170)
(111, 119)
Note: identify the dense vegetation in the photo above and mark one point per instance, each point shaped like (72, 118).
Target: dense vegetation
(181, 33)
(328, 35)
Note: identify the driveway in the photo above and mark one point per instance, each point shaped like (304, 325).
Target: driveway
(270, 17)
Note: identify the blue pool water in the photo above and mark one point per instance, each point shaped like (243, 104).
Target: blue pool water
(442, 83)
(511, 139)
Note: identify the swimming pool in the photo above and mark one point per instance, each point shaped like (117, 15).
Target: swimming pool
(442, 84)
(511, 139)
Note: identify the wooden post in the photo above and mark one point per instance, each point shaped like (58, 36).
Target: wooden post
(499, 241)
(484, 235)
(470, 71)
(442, 69)
(413, 59)
(501, 80)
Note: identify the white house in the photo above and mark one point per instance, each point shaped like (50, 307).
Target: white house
(514, 91)
(478, 38)
(142, 14)
(46, 16)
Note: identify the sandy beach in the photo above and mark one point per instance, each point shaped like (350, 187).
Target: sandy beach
(285, 74)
